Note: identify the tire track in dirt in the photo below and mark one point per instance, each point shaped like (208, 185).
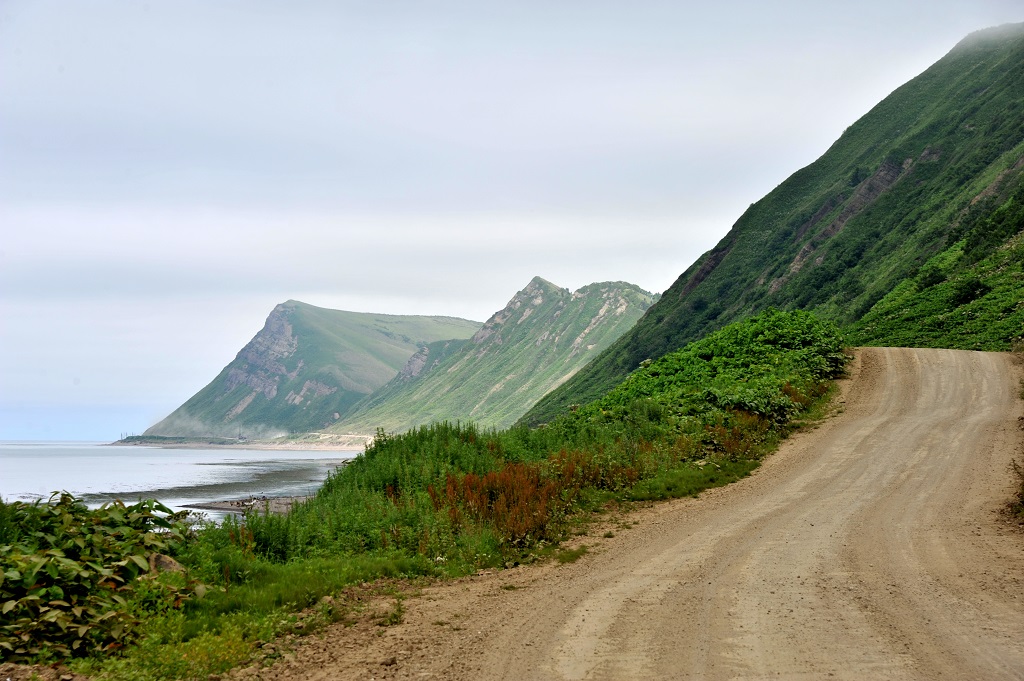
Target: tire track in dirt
(870, 547)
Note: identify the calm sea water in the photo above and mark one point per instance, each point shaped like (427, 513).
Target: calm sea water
(99, 473)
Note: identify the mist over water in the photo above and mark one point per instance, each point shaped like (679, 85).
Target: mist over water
(100, 473)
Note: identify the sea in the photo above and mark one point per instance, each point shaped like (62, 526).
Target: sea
(99, 473)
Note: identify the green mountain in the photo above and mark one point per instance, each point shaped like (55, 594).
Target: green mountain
(535, 343)
(305, 369)
(903, 231)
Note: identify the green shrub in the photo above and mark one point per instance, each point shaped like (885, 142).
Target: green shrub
(967, 289)
(8, 527)
(65, 581)
(690, 479)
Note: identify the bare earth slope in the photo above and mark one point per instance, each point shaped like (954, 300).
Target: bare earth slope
(871, 547)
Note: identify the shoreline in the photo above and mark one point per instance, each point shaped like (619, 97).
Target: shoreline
(322, 442)
(275, 505)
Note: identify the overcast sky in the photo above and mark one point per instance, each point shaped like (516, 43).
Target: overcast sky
(171, 170)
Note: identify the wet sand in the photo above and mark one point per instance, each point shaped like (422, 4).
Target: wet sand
(278, 505)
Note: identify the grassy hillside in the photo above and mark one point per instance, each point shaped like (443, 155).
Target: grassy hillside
(536, 342)
(305, 369)
(970, 295)
(977, 307)
(931, 163)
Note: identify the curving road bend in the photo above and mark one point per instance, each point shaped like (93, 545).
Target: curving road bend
(871, 547)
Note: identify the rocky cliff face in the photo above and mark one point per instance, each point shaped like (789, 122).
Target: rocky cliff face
(561, 317)
(260, 364)
(428, 358)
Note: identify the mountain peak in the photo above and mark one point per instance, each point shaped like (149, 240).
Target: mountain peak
(305, 368)
(992, 35)
(539, 283)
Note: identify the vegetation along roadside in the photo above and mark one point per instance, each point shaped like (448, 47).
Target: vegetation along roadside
(442, 500)
(1015, 507)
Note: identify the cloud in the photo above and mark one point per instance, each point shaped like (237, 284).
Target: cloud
(453, 107)
(149, 255)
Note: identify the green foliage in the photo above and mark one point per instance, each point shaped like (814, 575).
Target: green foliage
(8, 524)
(990, 222)
(929, 276)
(68, 573)
(271, 587)
(163, 657)
(978, 306)
(223, 628)
(758, 367)
(571, 555)
(967, 289)
(691, 478)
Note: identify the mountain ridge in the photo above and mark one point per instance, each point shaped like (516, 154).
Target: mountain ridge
(540, 338)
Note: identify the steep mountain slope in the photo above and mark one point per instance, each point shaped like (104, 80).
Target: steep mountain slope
(917, 174)
(970, 296)
(540, 339)
(305, 369)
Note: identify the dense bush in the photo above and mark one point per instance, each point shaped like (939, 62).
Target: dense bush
(8, 527)
(764, 366)
(67, 573)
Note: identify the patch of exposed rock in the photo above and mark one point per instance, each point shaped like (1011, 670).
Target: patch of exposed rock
(264, 356)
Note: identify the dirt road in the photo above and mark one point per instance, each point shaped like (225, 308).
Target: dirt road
(871, 547)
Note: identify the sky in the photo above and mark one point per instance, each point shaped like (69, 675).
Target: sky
(170, 171)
